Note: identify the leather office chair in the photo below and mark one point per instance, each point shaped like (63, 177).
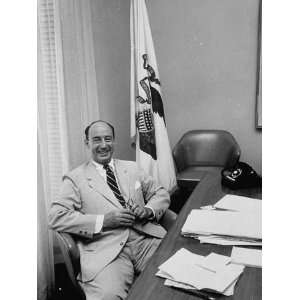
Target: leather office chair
(71, 254)
(204, 150)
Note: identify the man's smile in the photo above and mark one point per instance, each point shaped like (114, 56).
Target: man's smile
(103, 152)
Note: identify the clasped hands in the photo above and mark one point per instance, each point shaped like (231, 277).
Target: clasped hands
(126, 217)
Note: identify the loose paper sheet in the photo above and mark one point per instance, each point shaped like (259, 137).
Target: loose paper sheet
(239, 203)
(247, 257)
(214, 262)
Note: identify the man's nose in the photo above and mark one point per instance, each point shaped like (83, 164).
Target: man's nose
(103, 144)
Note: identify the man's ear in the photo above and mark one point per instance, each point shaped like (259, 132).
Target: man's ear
(86, 142)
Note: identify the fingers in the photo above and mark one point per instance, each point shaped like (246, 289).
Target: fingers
(134, 207)
(126, 218)
(125, 222)
(144, 214)
(118, 218)
(139, 212)
(127, 214)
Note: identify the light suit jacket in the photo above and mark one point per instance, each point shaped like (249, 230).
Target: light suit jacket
(85, 194)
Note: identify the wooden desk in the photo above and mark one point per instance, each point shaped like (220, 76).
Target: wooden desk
(150, 287)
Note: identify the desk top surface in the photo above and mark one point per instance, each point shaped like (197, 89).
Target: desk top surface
(150, 287)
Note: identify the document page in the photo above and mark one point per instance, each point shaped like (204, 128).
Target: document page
(239, 203)
(247, 257)
(214, 262)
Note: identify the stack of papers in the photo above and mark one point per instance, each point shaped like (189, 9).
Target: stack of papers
(246, 257)
(212, 273)
(234, 220)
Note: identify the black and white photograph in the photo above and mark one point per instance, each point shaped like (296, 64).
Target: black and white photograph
(149, 149)
(150, 175)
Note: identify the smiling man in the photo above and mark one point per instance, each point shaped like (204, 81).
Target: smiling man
(99, 138)
(113, 207)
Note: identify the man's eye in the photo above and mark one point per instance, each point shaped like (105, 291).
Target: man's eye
(109, 139)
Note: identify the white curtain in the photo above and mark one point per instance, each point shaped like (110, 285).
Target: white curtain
(67, 102)
(80, 85)
(52, 145)
(45, 259)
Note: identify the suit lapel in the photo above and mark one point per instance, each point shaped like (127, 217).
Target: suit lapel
(97, 183)
(123, 178)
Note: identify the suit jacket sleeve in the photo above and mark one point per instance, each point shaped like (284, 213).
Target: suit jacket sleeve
(155, 196)
(65, 214)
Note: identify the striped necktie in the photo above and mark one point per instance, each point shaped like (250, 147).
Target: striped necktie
(112, 182)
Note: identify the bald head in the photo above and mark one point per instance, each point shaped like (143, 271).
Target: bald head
(87, 129)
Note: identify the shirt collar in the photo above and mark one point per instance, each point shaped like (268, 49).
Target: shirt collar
(100, 166)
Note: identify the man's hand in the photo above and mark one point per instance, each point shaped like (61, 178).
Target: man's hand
(142, 213)
(118, 218)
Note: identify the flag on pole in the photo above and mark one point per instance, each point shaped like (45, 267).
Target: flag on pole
(148, 126)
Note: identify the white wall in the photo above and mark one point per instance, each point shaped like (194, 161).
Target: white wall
(111, 25)
(206, 51)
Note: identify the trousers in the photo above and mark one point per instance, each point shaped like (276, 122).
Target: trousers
(115, 280)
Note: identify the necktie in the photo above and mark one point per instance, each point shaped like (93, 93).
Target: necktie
(112, 182)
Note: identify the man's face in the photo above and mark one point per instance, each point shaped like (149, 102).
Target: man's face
(101, 143)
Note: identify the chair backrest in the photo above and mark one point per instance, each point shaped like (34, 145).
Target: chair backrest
(206, 148)
(71, 258)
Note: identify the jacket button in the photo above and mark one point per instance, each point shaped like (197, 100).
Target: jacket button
(121, 244)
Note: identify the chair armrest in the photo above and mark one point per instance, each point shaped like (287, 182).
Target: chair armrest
(71, 258)
(70, 254)
(168, 219)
